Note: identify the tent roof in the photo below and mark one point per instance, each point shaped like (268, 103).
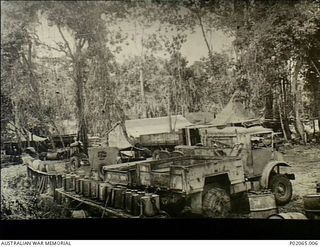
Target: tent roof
(148, 126)
(234, 112)
(240, 130)
(15, 138)
(33, 137)
(200, 117)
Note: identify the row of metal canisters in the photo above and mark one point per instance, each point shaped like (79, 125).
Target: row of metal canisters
(132, 201)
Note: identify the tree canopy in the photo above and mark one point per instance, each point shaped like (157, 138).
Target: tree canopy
(83, 75)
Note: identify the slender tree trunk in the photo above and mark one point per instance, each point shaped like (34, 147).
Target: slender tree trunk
(143, 99)
(280, 106)
(269, 104)
(205, 39)
(169, 110)
(284, 109)
(316, 100)
(80, 100)
(297, 101)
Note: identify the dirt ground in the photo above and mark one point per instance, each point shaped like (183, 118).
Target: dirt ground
(305, 164)
(19, 200)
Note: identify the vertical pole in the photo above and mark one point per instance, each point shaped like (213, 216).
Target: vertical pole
(143, 100)
(169, 111)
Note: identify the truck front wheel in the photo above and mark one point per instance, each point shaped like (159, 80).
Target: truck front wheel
(281, 188)
(216, 203)
(75, 163)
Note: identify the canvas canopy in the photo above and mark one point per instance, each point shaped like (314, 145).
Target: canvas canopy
(33, 137)
(234, 112)
(147, 126)
(238, 130)
(14, 138)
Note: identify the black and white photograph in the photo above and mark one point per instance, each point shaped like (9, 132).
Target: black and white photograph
(158, 109)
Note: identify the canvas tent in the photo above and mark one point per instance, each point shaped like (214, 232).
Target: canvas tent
(33, 137)
(147, 126)
(199, 117)
(234, 112)
(20, 134)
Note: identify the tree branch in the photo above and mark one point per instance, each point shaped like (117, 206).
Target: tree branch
(54, 48)
(65, 41)
(314, 65)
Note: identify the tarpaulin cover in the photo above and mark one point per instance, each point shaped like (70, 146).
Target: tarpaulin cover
(234, 112)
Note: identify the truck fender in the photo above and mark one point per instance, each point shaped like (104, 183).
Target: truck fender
(264, 180)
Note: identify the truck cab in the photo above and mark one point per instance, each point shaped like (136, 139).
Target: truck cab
(255, 145)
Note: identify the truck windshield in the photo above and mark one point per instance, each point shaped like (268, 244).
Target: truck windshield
(261, 141)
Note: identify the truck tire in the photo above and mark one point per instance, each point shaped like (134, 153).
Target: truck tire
(74, 163)
(281, 188)
(216, 203)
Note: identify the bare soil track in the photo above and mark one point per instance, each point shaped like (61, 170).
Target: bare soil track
(305, 164)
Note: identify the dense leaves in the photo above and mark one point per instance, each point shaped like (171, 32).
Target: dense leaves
(274, 62)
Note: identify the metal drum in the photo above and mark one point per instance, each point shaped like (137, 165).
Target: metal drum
(262, 205)
(155, 200)
(103, 191)
(128, 201)
(68, 183)
(59, 181)
(73, 182)
(288, 216)
(81, 180)
(151, 204)
(86, 187)
(64, 181)
(94, 189)
(77, 184)
(118, 197)
(311, 204)
(57, 197)
(123, 196)
(136, 202)
(109, 196)
(79, 214)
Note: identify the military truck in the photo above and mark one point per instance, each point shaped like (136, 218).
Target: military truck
(255, 146)
(194, 183)
(186, 184)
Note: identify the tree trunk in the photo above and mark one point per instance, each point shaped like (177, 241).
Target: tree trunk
(169, 110)
(143, 99)
(269, 104)
(297, 101)
(80, 100)
(283, 110)
(205, 39)
(316, 100)
(281, 120)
